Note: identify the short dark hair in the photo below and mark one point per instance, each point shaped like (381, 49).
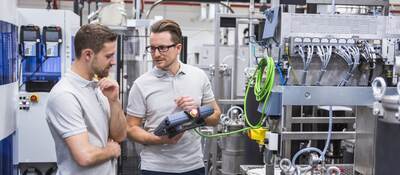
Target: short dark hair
(170, 26)
(92, 36)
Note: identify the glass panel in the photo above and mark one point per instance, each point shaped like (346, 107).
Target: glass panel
(8, 53)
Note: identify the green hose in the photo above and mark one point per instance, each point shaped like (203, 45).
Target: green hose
(262, 91)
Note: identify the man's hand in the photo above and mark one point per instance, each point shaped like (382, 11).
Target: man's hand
(167, 140)
(109, 88)
(114, 148)
(186, 103)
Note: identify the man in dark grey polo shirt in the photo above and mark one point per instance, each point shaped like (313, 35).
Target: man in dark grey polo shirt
(85, 116)
(170, 87)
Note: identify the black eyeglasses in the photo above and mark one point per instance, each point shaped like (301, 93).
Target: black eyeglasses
(161, 49)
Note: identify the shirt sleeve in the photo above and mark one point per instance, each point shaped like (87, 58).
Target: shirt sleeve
(136, 102)
(64, 113)
(208, 94)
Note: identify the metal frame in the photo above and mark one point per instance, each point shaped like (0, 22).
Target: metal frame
(361, 98)
(351, 2)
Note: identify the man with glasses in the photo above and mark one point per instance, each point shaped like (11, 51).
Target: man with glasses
(169, 87)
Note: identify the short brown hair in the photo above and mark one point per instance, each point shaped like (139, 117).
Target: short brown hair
(92, 36)
(170, 26)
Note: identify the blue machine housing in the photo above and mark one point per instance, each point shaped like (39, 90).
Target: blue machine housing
(8, 53)
(8, 74)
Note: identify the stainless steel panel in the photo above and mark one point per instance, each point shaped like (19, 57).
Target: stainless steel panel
(317, 135)
(231, 102)
(328, 95)
(365, 141)
(323, 119)
(339, 26)
(351, 2)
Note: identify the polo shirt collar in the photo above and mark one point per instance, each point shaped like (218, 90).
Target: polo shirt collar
(159, 73)
(81, 82)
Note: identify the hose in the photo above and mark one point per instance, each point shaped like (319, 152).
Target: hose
(329, 133)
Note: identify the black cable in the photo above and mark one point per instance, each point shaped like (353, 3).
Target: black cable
(371, 73)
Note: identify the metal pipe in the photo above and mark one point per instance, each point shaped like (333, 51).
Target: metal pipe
(152, 7)
(161, 1)
(230, 101)
(235, 62)
(217, 85)
(317, 135)
(227, 6)
(333, 6)
(217, 77)
(251, 31)
(323, 119)
(138, 4)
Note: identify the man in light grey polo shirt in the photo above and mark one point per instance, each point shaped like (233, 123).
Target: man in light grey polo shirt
(170, 87)
(85, 116)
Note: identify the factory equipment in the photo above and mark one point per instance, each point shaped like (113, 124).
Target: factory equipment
(355, 54)
(8, 82)
(318, 106)
(30, 39)
(232, 146)
(41, 62)
(30, 50)
(52, 37)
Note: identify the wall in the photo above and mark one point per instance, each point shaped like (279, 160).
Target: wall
(188, 15)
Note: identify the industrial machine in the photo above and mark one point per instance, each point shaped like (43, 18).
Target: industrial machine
(316, 117)
(46, 53)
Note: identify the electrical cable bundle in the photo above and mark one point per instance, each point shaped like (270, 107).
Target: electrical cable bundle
(306, 57)
(352, 57)
(325, 53)
(368, 53)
